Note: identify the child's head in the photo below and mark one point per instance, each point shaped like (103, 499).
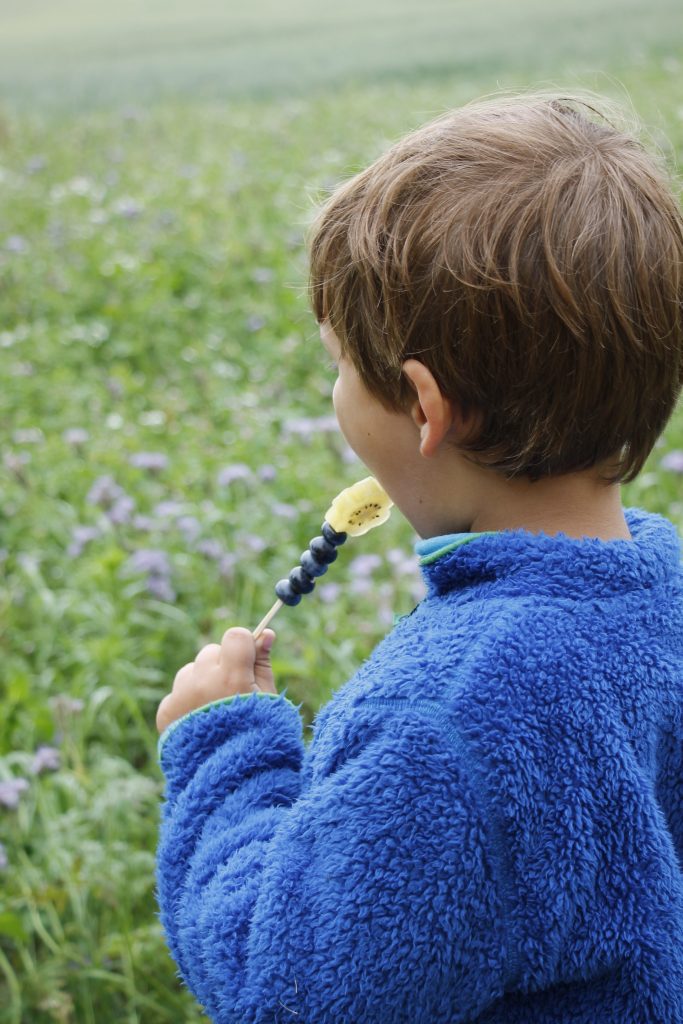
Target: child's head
(530, 256)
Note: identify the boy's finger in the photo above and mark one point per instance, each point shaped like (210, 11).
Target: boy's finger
(237, 646)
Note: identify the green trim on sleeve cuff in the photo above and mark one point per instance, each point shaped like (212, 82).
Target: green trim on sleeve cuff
(205, 707)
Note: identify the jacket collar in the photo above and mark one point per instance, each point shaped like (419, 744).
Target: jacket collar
(518, 562)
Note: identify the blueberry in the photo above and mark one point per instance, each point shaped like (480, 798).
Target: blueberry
(310, 565)
(331, 535)
(300, 580)
(322, 550)
(283, 589)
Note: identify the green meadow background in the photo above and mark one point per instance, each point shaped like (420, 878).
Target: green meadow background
(168, 440)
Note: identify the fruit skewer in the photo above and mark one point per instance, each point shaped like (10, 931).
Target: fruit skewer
(353, 512)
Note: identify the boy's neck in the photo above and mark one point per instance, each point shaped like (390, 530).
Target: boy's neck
(577, 505)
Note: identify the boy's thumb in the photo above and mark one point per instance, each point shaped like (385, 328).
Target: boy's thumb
(268, 640)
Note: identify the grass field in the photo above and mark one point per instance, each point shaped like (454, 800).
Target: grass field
(168, 442)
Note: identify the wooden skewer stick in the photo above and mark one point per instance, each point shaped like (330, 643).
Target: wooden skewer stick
(266, 619)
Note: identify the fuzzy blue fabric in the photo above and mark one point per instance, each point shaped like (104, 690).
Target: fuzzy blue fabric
(487, 824)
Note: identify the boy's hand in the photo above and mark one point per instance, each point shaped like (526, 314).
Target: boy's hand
(236, 665)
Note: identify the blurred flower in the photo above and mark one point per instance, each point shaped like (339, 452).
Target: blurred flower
(262, 275)
(361, 585)
(45, 759)
(403, 563)
(16, 243)
(385, 615)
(155, 563)
(160, 587)
(226, 566)
(80, 536)
(31, 435)
(169, 508)
(255, 323)
(151, 560)
(75, 436)
(211, 548)
(15, 460)
(128, 208)
(238, 471)
(146, 523)
(307, 427)
(267, 473)
(364, 565)
(10, 791)
(189, 526)
(328, 592)
(114, 387)
(104, 491)
(121, 510)
(4, 862)
(35, 164)
(283, 511)
(673, 461)
(149, 460)
(65, 706)
(251, 541)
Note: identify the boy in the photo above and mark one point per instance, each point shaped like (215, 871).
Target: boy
(488, 823)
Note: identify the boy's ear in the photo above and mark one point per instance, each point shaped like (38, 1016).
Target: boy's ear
(431, 411)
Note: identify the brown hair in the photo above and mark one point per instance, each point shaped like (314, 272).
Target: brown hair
(531, 257)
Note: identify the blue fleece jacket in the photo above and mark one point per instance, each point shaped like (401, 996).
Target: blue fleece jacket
(487, 824)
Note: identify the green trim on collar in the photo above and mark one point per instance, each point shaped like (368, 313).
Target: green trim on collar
(205, 707)
(428, 559)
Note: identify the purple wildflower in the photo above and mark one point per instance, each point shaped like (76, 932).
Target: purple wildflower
(45, 759)
(81, 535)
(168, 509)
(255, 323)
(364, 565)
(673, 461)
(10, 791)
(267, 473)
(127, 208)
(31, 435)
(16, 243)
(211, 548)
(76, 436)
(149, 460)
(251, 541)
(35, 164)
(159, 586)
(189, 526)
(328, 592)
(65, 706)
(155, 563)
(145, 523)
(283, 511)
(361, 585)
(262, 275)
(120, 511)
(307, 427)
(226, 566)
(150, 560)
(238, 471)
(104, 491)
(4, 862)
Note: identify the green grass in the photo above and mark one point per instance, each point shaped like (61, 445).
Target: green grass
(152, 293)
(87, 52)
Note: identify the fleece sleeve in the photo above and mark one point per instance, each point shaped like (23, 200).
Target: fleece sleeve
(357, 881)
